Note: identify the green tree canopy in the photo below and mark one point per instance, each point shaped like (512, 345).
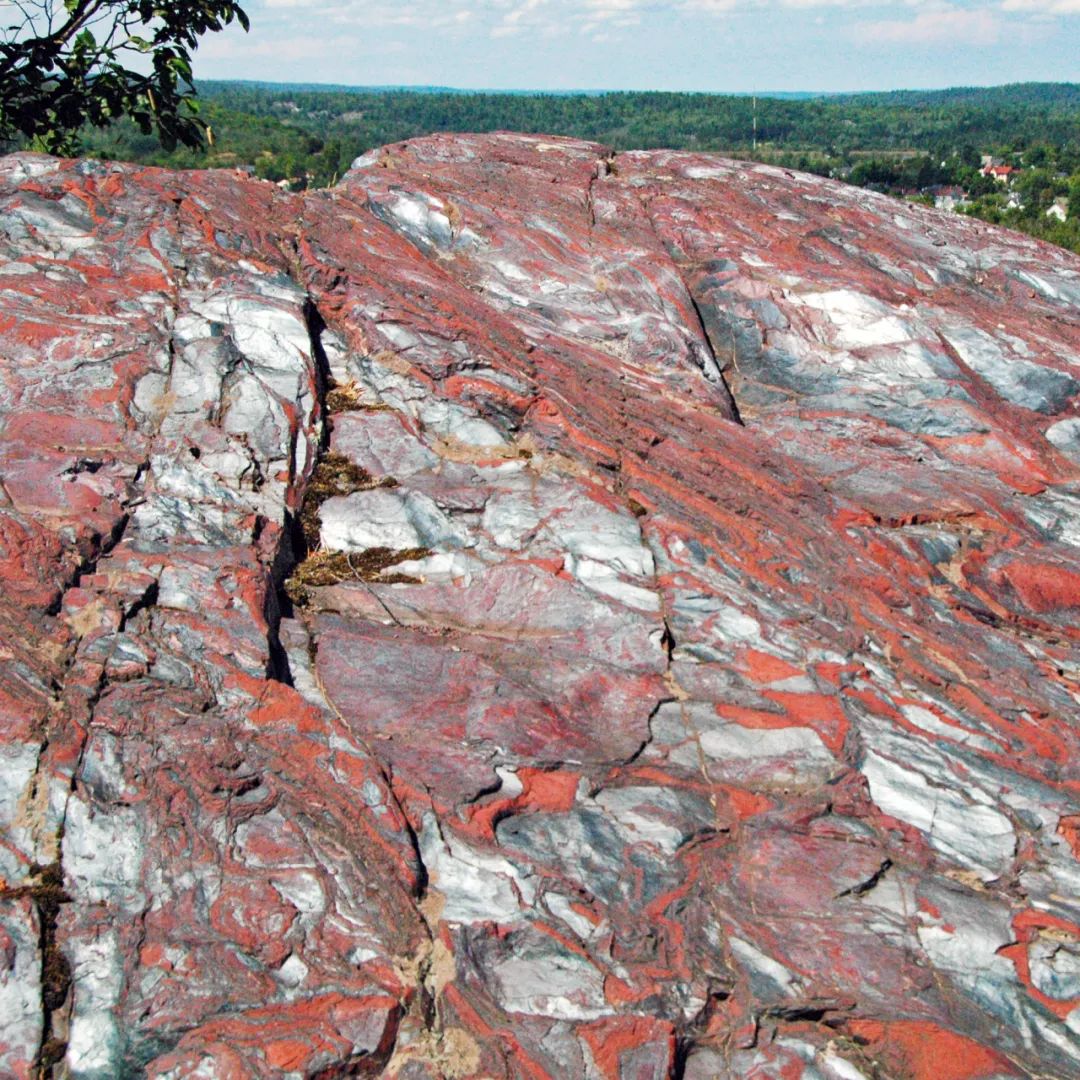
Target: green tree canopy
(66, 63)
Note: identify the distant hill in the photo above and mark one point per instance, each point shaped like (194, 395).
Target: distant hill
(211, 87)
(283, 127)
(1050, 95)
(1032, 94)
(218, 86)
(926, 121)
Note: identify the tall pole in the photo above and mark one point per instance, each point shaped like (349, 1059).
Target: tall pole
(755, 123)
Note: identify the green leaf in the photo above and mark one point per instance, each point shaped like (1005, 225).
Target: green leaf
(50, 86)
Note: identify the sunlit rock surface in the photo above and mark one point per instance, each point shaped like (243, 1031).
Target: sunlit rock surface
(531, 612)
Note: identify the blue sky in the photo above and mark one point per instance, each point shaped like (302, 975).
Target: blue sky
(718, 45)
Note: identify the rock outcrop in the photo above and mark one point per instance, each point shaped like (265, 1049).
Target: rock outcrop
(531, 612)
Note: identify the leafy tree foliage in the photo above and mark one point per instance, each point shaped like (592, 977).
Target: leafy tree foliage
(66, 63)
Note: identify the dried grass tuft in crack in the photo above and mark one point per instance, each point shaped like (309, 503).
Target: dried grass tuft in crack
(349, 397)
(335, 567)
(335, 475)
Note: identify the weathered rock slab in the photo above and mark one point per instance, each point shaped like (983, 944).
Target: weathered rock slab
(534, 612)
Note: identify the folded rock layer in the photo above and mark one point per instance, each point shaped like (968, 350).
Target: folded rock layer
(533, 612)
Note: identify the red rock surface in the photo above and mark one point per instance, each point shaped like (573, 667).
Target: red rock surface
(679, 676)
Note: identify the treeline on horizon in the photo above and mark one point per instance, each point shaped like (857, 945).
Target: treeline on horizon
(894, 141)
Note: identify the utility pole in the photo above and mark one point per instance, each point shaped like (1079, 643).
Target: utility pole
(755, 123)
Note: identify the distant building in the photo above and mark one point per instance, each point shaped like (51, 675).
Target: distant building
(1001, 173)
(948, 196)
(1059, 210)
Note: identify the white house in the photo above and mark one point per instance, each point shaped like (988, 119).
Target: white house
(1059, 210)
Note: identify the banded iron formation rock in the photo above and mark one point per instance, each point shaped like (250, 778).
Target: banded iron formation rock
(531, 612)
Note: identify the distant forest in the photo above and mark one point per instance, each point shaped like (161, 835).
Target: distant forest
(904, 142)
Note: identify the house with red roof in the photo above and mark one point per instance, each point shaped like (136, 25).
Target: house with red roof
(1001, 173)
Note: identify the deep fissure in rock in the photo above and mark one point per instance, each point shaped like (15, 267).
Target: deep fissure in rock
(293, 544)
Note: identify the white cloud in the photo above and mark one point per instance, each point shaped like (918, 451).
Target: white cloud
(957, 26)
(421, 13)
(374, 26)
(1043, 7)
(519, 13)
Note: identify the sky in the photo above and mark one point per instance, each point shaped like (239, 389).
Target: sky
(710, 45)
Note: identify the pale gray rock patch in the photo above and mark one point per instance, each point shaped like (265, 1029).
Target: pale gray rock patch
(964, 945)
(1024, 383)
(542, 978)
(970, 832)
(1055, 968)
(381, 443)
(477, 886)
(772, 979)
(18, 766)
(103, 853)
(20, 987)
(660, 817)
(95, 1044)
(367, 519)
(1065, 435)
